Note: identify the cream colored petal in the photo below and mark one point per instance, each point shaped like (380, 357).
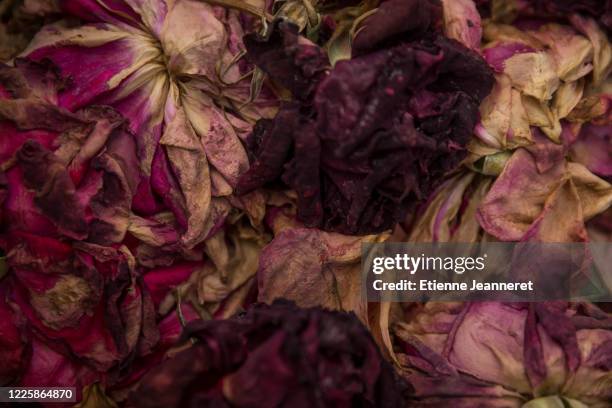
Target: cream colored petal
(533, 73)
(495, 110)
(602, 59)
(462, 22)
(519, 133)
(561, 219)
(469, 229)
(508, 33)
(572, 53)
(595, 193)
(435, 224)
(538, 112)
(566, 98)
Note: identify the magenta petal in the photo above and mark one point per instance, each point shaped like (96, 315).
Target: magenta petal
(102, 11)
(161, 281)
(593, 148)
(48, 368)
(14, 349)
(94, 57)
(165, 185)
(497, 55)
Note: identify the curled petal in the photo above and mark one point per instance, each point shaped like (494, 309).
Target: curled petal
(462, 22)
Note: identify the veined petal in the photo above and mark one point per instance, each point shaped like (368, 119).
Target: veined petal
(503, 115)
(533, 73)
(152, 13)
(193, 39)
(224, 149)
(313, 267)
(141, 99)
(95, 57)
(189, 165)
(573, 53)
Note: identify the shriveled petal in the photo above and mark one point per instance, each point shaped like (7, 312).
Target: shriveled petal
(48, 368)
(193, 39)
(595, 193)
(502, 364)
(223, 148)
(533, 73)
(152, 232)
(436, 224)
(592, 382)
(593, 148)
(503, 115)
(573, 54)
(312, 268)
(55, 191)
(497, 53)
(188, 166)
(140, 99)
(26, 79)
(152, 13)
(561, 219)
(394, 17)
(602, 50)
(566, 98)
(462, 22)
(13, 339)
(591, 107)
(517, 197)
(223, 284)
(540, 115)
(425, 343)
(97, 57)
(294, 62)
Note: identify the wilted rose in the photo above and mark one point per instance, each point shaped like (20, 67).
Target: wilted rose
(490, 354)
(87, 299)
(274, 356)
(375, 134)
(173, 71)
